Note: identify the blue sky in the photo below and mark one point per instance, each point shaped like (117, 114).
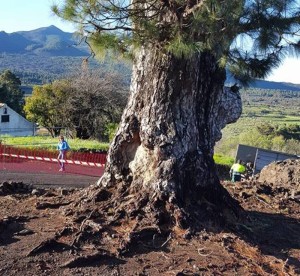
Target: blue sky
(25, 15)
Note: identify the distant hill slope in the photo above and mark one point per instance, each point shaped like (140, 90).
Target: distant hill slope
(48, 53)
(263, 84)
(40, 35)
(276, 85)
(13, 43)
(49, 41)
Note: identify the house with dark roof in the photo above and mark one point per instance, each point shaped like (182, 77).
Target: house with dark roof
(13, 124)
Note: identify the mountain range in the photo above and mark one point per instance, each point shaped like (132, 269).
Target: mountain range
(49, 41)
(263, 84)
(50, 53)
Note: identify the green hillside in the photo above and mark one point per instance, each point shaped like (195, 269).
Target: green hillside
(270, 120)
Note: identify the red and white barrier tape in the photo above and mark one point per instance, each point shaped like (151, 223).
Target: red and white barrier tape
(76, 162)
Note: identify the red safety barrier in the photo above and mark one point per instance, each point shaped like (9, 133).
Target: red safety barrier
(39, 160)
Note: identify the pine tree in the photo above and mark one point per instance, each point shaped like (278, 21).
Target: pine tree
(10, 91)
(162, 154)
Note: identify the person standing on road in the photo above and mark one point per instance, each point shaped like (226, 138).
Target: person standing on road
(236, 171)
(62, 147)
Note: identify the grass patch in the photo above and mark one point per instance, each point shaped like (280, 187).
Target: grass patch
(51, 143)
(223, 160)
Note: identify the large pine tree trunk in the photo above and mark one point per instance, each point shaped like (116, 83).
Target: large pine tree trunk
(164, 145)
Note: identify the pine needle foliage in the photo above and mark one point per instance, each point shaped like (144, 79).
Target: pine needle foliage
(249, 37)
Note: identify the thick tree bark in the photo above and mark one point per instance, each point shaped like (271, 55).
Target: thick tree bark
(164, 145)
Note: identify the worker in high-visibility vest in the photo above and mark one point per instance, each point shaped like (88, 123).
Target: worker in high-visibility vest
(236, 171)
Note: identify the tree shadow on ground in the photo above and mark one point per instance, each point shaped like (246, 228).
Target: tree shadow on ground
(274, 234)
(95, 260)
(10, 228)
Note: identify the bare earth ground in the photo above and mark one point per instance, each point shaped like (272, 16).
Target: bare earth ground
(47, 180)
(268, 243)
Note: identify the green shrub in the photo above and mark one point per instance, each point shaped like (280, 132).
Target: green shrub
(110, 130)
(223, 160)
(50, 143)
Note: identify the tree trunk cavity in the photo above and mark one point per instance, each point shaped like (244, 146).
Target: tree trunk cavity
(165, 141)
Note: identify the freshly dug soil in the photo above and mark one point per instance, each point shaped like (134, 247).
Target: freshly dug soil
(282, 173)
(37, 235)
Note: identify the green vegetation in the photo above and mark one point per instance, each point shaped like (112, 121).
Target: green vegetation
(84, 103)
(223, 160)
(41, 69)
(10, 91)
(51, 143)
(110, 131)
(270, 120)
(248, 38)
(46, 106)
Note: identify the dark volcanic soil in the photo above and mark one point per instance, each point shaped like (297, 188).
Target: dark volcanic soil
(32, 223)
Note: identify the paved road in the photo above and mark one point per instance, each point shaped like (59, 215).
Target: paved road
(49, 180)
(47, 174)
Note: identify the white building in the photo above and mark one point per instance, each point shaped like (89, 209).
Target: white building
(13, 124)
